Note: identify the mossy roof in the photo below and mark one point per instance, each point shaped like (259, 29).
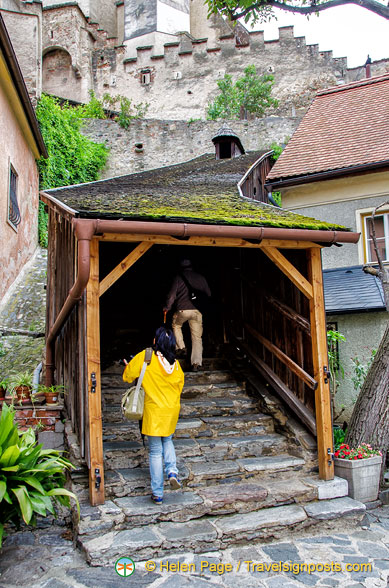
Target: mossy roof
(203, 190)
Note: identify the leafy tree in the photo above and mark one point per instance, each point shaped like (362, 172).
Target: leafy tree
(250, 93)
(262, 10)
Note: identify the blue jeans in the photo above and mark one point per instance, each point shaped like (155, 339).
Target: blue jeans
(161, 449)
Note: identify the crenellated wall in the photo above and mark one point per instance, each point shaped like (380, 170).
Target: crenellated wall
(182, 74)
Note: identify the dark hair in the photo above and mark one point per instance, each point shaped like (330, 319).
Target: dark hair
(165, 342)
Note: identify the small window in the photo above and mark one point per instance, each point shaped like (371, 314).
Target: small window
(382, 235)
(145, 77)
(13, 208)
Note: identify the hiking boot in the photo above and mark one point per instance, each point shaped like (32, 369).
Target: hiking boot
(174, 482)
(156, 499)
(196, 367)
(180, 353)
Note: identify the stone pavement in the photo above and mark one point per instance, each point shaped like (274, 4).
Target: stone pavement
(46, 558)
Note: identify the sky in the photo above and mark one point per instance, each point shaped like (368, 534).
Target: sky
(349, 31)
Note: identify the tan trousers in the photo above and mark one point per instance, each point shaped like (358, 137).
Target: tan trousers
(195, 319)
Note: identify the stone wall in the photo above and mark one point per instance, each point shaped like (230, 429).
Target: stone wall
(24, 25)
(148, 144)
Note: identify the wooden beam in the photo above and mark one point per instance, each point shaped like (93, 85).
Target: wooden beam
(285, 393)
(292, 365)
(297, 319)
(206, 241)
(289, 270)
(94, 416)
(320, 361)
(122, 267)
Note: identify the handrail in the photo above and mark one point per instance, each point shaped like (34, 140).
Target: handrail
(286, 360)
(294, 403)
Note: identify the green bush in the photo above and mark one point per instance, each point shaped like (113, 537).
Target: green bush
(30, 477)
(251, 93)
(73, 158)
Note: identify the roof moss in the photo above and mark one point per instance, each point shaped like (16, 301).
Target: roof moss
(203, 190)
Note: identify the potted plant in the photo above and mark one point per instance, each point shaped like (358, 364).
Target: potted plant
(361, 467)
(4, 384)
(21, 386)
(51, 393)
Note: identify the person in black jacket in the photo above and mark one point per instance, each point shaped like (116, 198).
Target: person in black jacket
(185, 286)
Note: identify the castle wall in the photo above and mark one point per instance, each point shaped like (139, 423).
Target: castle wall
(152, 143)
(182, 73)
(68, 46)
(184, 78)
(23, 22)
(102, 12)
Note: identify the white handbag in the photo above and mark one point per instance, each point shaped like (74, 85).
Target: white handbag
(133, 399)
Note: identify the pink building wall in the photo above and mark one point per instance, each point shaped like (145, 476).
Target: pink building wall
(16, 246)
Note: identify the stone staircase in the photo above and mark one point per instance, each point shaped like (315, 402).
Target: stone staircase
(242, 478)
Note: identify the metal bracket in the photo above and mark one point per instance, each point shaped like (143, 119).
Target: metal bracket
(327, 374)
(331, 456)
(94, 383)
(98, 478)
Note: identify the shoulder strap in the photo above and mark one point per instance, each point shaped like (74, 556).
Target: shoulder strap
(186, 282)
(148, 356)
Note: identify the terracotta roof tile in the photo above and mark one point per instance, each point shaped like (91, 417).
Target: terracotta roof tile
(345, 126)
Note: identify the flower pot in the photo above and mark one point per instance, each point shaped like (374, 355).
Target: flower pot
(362, 475)
(23, 394)
(52, 398)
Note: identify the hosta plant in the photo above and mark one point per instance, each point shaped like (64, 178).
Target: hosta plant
(31, 478)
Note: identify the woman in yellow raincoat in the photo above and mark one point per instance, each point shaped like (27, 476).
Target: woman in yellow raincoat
(163, 382)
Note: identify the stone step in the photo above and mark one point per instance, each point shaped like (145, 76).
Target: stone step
(210, 364)
(131, 454)
(252, 424)
(193, 474)
(241, 497)
(192, 391)
(227, 406)
(114, 379)
(208, 534)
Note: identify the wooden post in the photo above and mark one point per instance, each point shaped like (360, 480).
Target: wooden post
(95, 429)
(320, 362)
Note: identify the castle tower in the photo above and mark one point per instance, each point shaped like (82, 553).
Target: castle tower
(153, 22)
(202, 27)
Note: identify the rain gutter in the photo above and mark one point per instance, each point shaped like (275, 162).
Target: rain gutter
(86, 229)
(276, 183)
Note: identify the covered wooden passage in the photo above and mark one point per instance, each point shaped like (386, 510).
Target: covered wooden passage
(263, 265)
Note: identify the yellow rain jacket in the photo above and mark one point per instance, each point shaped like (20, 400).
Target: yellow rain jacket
(162, 394)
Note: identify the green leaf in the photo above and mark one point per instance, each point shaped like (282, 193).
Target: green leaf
(34, 482)
(10, 456)
(1, 534)
(38, 504)
(7, 498)
(6, 425)
(64, 492)
(14, 468)
(3, 489)
(24, 503)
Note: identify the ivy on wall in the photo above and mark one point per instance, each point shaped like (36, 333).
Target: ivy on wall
(73, 158)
